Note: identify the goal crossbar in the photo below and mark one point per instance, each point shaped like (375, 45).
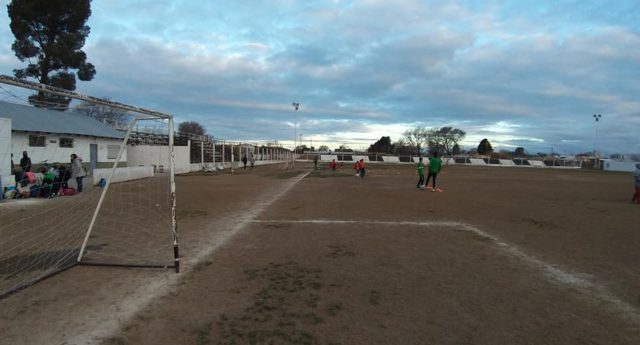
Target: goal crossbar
(66, 93)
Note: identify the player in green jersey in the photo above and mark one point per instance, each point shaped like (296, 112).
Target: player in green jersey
(420, 167)
(435, 164)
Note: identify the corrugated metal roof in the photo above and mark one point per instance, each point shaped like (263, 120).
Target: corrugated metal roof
(32, 119)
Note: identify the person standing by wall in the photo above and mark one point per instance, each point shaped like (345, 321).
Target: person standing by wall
(636, 179)
(77, 171)
(25, 162)
(244, 162)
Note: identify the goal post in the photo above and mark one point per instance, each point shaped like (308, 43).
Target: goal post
(126, 214)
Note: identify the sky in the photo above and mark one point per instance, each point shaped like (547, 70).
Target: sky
(519, 73)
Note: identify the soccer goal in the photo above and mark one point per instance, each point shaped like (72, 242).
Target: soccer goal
(121, 213)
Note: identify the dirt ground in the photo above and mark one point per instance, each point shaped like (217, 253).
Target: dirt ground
(501, 256)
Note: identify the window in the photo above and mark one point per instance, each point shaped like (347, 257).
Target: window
(112, 151)
(66, 142)
(38, 140)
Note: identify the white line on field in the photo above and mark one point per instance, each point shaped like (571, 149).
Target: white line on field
(553, 274)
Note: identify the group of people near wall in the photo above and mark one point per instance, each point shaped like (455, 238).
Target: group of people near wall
(47, 181)
(251, 160)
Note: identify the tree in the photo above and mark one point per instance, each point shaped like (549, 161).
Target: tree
(103, 113)
(343, 148)
(191, 127)
(444, 139)
(383, 145)
(456, 150)
(323, 148)
(401, 148)
(416, 138)
(485, 148)
(52, 33)
(302, 148)
(519, 152)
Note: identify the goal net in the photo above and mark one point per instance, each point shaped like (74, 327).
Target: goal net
(121, 213)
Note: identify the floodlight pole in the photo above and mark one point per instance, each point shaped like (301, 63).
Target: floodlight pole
(597, 118)
(295, 106)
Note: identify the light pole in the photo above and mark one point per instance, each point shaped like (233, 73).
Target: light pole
(295, 106)
(597, 117)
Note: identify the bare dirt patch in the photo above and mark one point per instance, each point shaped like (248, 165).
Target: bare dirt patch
(388, 282)
(552, 250)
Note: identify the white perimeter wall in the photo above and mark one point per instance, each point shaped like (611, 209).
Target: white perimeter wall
(143, 155)
(612, 165)
(5, 147)
(6, 179)
(52, 152)
(122, 174)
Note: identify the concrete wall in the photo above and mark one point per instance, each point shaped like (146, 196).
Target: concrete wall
(144, 155)
(614, 165)
(391, 159)
(5, 147)
(52, 151)
(477, 161)
(123, 174)
(6, 179)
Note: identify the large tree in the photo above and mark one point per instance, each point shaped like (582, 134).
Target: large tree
(456, 150)
(519, 152)
(383, 145)
(50, 35)
(416, 138)
(444, 139)
(485, 148)
(191, 127)
(103, 113)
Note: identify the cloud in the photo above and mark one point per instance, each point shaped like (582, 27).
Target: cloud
(524, 74)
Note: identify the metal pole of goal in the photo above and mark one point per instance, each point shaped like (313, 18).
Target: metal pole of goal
(105, 189)
(172, 181)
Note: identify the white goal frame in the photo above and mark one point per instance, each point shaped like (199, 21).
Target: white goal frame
(143, 114)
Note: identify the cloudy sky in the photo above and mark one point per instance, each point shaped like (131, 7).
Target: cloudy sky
(519, 73)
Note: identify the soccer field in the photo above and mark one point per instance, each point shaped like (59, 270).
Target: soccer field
(273, 256)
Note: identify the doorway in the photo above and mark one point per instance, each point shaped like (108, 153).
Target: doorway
(93, 157)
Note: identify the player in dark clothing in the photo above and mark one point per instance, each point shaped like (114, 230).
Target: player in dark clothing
(435, 164)
(25, 162)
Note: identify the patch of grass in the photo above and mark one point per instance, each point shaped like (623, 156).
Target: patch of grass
(541, 224)
(374, 297)
(339, 251)
(287, 174)
(202, 333)
(329, 174)
(334, 309)
(115, 341)
(201, 265)
(183, 214)
(287, 299)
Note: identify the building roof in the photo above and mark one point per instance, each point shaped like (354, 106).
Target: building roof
(31, 119)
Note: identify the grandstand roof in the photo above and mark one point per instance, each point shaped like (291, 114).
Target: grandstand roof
(31, 119)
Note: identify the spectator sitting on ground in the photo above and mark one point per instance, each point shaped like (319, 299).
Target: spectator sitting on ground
(24, 189)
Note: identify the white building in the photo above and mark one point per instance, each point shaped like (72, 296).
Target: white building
(53, 136)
